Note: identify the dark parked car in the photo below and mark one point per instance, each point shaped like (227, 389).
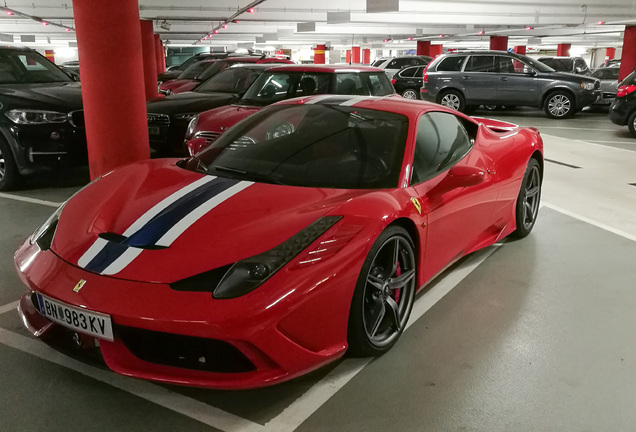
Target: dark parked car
(168, 116)
(391, 65)
(609, 84)
(575, 65)
(623, 110)
(200, 72)
(408, 81)
(41, 117)
(463, 81)
(174, 71)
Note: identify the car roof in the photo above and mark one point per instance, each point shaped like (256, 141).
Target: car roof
(326, 68)
(252, 66)
(16, 48)
(391, 103)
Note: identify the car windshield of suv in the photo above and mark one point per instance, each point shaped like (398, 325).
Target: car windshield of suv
(195, 70)
(326, 146)
(28, 67)
(541, 67)
(560, 64)
(606, 74)
(232, 80)
(272, 87)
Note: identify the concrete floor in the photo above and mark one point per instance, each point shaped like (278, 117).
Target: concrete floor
(530, 335)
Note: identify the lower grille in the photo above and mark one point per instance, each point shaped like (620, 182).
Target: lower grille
(158, 119)
(187, 352)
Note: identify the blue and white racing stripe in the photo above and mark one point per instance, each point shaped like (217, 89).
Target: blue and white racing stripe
(161, 225)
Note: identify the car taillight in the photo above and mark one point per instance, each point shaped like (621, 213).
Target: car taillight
(625, 90)
(393, 80)
(425, 74)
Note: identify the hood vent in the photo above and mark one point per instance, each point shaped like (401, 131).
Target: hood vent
(118, 238)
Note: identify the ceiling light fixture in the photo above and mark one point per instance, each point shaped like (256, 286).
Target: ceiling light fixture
(529, 27)
(481, 33)
(600, 22)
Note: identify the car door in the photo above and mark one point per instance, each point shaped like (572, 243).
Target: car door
(480, 80)
(517, 83)
(458, 217)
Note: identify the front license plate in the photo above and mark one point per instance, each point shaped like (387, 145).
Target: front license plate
(92, 323)
(154, 130)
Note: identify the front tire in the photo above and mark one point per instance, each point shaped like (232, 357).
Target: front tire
(9, 175)
(559, 104)
(528, 200)
(631, 123)
(384, 294)
(453, 99)
(410, 94)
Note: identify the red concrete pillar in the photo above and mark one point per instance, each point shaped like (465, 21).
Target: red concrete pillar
(424, 48)
(520, 49)
(355, 54)
(366, 56)
(319, 54)
(348, 56)
(610, 53)
(50, 54)
(563, 50)
(149, 58)
(159, 54)
(628, 59)
(499, 43)
(112, 91)
(163, 57)
(436, 50)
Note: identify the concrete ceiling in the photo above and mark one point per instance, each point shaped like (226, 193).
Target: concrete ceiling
(454, 23)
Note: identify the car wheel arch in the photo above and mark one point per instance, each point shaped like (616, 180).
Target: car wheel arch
(553, 90)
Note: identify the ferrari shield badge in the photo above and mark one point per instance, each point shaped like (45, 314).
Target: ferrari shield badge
(79, 285)
(417, 204)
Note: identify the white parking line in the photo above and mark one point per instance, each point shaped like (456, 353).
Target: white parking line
(189, 407)
(303, 407)
(8, 307)
(30, 200)
(576, 128)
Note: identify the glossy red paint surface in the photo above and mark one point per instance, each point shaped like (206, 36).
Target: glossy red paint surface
(296, 321)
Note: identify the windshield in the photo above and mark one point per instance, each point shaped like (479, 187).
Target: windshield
(326, 146)
(213, 70)
(606, 74)
(28, 67)
(195, 70)
(560, 64)
(232, 80)
(272, 87)
(541, 67)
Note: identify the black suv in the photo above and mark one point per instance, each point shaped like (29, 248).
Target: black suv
(465, 80)
(41, 117)
(623, 109)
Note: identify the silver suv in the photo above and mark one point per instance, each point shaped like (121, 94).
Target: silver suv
(465, 80)
(391, 65)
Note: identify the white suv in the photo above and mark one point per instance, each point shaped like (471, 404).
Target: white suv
(392, 65)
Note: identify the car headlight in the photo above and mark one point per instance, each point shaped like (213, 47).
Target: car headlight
(191, 126)
(186, 116)
(43, 236)
(280, 130)
(587, 86)
(29, 116)
(248, 274)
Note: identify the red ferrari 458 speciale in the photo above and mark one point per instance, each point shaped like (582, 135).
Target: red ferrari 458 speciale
(302, 233)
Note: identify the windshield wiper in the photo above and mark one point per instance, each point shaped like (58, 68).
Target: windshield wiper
(248, 175)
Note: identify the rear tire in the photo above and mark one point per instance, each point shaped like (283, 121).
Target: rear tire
(410, 94)
(528, 200)
(631, 123)
(9, 175)
(384, 294)
(452, 99)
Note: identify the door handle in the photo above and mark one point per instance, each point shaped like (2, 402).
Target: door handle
(466, 77)
(503, 78)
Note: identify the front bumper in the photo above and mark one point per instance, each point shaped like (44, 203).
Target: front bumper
(262, 339)
(588, 98)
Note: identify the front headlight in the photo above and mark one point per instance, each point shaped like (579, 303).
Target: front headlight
(186, 116)
(191, 126)
(587, 86)
(43, 236)
(248, 274)
(31, 117)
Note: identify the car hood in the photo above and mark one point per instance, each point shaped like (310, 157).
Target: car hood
(59, 96)
(107, 228)
(169, 75)
(173, 84)
(190, 102)
(222, 118)
(565, 76)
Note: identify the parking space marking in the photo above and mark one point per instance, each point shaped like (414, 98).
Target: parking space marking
(303, 407)
(8, 307)
(184, 405)
(591, 221)
(576, 128)
(30, 200)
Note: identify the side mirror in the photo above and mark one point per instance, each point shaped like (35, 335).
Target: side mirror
(580, 70)
(195, 146)
(458, 177)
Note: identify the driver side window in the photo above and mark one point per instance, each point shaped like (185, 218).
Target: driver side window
(441, 142)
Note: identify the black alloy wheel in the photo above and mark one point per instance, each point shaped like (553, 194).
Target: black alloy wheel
(528, 200)
(8, 169)
(559, 105)
(631, 123)
(384, 294)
